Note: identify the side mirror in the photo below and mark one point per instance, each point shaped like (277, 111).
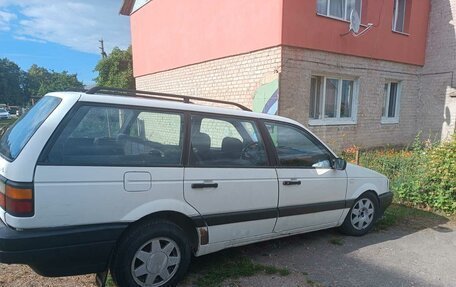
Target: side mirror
(339, 164)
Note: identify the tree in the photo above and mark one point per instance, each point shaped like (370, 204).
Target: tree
(39, 81)
(11, 83)
(16, 86)
(116, 70)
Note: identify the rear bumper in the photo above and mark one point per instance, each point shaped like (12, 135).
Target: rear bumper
(60, 252)
(385, 200)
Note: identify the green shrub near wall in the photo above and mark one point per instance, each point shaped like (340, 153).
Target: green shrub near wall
(440, 182)
(423, 174)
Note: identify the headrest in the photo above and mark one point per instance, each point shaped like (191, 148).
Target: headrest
(232, 145)
(201, 142)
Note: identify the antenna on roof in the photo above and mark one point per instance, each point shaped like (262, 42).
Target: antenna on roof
(355, 25)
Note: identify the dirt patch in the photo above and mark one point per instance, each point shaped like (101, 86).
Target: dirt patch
(23, 276)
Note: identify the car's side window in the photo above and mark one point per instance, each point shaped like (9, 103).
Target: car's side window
(112, 136)
(226, 129)
(295, 148)
(226, 142)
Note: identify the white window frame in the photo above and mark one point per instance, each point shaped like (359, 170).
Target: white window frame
(396, 14)
(346, 17)
(337, 120)
(386, 101)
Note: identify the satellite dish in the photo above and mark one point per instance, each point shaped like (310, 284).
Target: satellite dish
(355, 21)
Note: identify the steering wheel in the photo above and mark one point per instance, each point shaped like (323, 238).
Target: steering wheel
(250, 151)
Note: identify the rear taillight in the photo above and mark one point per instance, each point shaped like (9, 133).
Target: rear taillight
(17, 199)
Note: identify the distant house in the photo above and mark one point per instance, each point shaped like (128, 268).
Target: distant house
(296, 58)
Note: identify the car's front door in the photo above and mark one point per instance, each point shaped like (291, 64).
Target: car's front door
(311, 192)
(228, 179)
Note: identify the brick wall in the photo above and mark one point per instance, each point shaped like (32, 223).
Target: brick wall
(234, 78)
(437, 108)
(300, 64)
(237, 78)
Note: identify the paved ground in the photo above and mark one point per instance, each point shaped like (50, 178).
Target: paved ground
(401, 256)
(411, 254)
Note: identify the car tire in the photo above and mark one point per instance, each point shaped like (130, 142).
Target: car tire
(362, 215)
(153, 254)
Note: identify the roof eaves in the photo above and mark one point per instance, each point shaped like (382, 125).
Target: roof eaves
(127, 7)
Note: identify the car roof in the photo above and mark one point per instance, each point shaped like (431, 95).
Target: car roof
(169, 104)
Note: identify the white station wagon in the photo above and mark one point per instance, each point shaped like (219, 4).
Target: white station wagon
(137, 182)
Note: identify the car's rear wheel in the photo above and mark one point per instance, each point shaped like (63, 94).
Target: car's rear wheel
(362, 215)
(153, 254)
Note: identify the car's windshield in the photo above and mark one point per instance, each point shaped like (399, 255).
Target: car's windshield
(2, 111)
(17, 136)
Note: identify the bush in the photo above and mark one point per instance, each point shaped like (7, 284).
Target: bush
(423, 174)
(440, 179)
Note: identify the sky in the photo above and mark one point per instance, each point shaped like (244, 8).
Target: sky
(61, 35)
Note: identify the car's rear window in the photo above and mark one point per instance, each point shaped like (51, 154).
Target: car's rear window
(17, 136)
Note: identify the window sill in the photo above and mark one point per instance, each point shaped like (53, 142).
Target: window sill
(338, 19)
(400, 33)
(332, 122)
(390, 121)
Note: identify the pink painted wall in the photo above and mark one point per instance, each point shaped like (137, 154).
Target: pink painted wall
(171, 33)
(168, 34)
(302, 27)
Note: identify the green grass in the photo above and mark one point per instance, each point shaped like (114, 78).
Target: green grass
(313, 283)
(213, 271)
(337, 241)
(397, 214)
(110, 282)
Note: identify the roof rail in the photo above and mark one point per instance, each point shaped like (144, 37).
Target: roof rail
(158, 96)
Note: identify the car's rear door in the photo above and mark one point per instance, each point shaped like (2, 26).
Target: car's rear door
(229, 180)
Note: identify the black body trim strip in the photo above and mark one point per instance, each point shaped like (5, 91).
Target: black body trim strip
(242, 216)
(269, 213)
(236, 217)
(311, 208)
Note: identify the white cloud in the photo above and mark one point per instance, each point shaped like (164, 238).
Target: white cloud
(77, 24)
(5, 19)
(23, 38)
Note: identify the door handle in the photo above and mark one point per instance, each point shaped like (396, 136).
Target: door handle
(204, 185)
(292, 182)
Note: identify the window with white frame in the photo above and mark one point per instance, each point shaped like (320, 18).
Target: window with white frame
(399, 15)
(338, 8)
(332, 100)
(391, 102)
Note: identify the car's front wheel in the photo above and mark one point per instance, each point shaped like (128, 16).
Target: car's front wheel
(154, 254)
(362, 215)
